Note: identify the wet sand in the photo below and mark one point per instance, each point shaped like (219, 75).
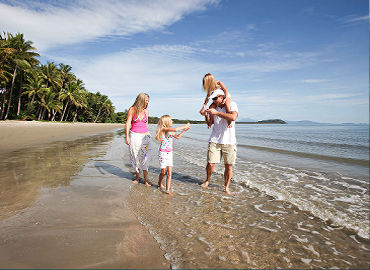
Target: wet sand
(15, 135)
(63, 205)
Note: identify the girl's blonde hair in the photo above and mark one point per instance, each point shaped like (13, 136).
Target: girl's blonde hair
(139, 104)
(209, 83)
(164, 122)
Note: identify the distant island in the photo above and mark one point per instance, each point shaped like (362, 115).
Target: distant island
(269, 121)
(154, 120)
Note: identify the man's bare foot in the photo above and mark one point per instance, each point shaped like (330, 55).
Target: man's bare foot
(169, 193)
(135, 181)
(161, 186)
(147, 184)
(227, 191)
(205, 184)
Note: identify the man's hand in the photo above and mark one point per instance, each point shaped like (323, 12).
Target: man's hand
(212, 111)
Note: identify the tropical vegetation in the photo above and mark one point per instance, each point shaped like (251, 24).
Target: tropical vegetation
(31, 90)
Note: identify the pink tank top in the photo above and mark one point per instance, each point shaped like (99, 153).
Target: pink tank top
(139, 126)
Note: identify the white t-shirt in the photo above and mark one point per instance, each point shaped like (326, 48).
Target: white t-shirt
(220, 132)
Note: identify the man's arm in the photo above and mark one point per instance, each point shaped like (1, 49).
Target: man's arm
(227, 116)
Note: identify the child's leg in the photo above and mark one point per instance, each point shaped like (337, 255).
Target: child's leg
(169, 177)
(202, 111)
(145, 172)
(228, 110)
(212, 106)
(163, 172)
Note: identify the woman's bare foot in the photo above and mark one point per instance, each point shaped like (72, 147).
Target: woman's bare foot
(135, 181)
(147, 184)
(205, 184)
(227, 191)
(161, 186)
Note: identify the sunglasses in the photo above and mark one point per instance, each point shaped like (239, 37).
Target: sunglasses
(215, 98)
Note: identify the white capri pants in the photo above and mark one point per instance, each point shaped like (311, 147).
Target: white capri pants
(140, 150)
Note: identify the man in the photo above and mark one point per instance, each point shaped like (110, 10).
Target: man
(222, 141)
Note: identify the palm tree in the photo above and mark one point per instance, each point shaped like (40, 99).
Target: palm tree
(50, 102)
(22, 52)
(105, 106)
(35, 85)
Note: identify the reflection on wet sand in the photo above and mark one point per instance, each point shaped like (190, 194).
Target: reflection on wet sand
(64, 207)
(23, 173)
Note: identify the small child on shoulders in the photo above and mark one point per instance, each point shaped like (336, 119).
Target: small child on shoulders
(210, 84)
(165, 134)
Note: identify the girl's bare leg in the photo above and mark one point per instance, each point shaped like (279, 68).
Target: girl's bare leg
(228, 110)
(163, 172)
(168, 183)
(145, 172)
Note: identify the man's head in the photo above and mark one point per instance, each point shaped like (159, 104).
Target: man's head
(217, 96)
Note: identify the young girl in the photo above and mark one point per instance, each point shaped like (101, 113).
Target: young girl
(209, 85)
(165, 134)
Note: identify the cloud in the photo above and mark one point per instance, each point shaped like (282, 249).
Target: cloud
(351, 20)
(72, 22)
(314, 81)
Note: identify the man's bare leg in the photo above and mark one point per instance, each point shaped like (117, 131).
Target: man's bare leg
(209, 170)
(227, 175)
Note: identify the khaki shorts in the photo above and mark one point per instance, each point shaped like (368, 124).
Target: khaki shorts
(216, 150)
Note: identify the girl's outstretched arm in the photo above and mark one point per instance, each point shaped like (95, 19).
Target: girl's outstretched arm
(165, 129)
(178, 136)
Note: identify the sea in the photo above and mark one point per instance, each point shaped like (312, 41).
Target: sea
(300, 199)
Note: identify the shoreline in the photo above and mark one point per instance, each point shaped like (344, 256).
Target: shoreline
(16, 135)
(64, 205)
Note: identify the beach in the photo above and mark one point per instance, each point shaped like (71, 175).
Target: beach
(71, 203)
(63, 200)
(16, 135)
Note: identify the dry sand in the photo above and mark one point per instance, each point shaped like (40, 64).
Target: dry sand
(15, 135)
(55, 215)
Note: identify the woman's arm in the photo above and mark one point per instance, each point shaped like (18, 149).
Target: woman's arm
(147, 117)
(128, 124)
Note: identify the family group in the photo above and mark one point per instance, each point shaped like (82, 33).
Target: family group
(221, 114)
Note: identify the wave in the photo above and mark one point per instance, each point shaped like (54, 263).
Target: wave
(361, 162)
(310, 143)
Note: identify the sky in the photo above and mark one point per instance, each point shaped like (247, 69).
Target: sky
(287, 59)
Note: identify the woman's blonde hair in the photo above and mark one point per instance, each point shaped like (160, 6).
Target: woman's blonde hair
(164, 122)
(209, 83)
(139, 104)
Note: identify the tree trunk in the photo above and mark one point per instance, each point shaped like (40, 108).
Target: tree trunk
(64, 110)
(20, 95)
(96, 119)
(69, 109)
(54, 114)
(74, 118)
(3, 108)
(11, 93)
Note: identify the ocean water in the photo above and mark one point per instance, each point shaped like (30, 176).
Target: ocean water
(300, 200)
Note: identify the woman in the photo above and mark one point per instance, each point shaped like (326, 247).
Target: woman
(137, 136)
